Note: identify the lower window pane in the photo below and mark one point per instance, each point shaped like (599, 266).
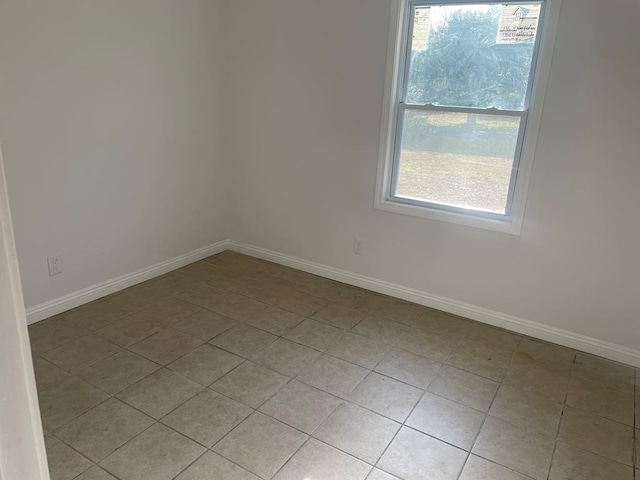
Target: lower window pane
(457, 159)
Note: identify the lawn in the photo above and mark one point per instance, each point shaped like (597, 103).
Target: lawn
(455, 179)
(458, 159)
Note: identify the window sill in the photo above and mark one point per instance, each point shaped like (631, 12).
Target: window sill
(509, 225)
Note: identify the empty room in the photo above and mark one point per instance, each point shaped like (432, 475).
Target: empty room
(319, 240)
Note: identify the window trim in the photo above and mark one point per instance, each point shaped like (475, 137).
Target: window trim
(396, 61)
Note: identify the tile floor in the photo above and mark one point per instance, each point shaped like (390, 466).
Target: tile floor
(237, 369)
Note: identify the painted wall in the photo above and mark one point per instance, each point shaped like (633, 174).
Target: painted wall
(307, 88)
(112, 128)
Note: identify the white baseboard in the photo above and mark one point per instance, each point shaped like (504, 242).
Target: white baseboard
(89, 294)
(541, 331)
(537, 330)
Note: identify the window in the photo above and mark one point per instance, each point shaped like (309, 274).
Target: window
(464, 97)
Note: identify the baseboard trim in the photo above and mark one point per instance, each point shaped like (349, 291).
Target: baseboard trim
(537, 330)
(95, 292)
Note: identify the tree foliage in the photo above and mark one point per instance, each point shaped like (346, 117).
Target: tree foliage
(464, 66)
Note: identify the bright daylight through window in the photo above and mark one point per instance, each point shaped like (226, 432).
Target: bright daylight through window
(461, 105)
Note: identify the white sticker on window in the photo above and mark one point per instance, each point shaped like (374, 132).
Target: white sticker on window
(518, 23)
(421, 25)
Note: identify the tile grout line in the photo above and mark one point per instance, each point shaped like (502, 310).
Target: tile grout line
(370, 370)
(564, 405)
(469, 453)
(403, 424)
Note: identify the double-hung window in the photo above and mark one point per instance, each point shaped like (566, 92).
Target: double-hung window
(464, 94)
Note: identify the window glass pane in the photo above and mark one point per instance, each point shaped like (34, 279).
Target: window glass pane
(472, 55)
(457, 159)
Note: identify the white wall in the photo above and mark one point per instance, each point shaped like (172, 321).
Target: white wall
(307, 104)
(112, 127)
(113, 122)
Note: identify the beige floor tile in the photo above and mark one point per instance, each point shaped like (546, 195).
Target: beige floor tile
(286, 357)
(134, 298)
(521, 450)
(157, 454)
(301, 406)
(538, 380)
(536, 377)
(464, 388)
(260, 290)
(52, 333)
(168, 310)
(244, 340)
(81, 353)
(531, 412)
(66, 401)
(409, 368)
(480, 469)
(380, 475)
(95, 473)
(446, 420)
(94, 315)
(205, 364)
(360, 350)
(104, 429)
(159, 393)
(264, 269)
(333, 375)
(339, 316)
(239, 307)
(296, 277)
(415, 456)
(427, 344)
(593, 398)
(47, 374)
(212, 466)
(481, 359)
(545, 355)
(441, 323)
(117, 372)
(380, 329)
(318, 460)
(386, 396)
(358, 432)
(400, 311)
(129, 330)
(205, 296)
(597, 435)
(251, 445)
(316, 335)
(497, 338)
(204, 325)
(207, 417)
(250, 384)
(202, 271)
(166, 346)
(171, 284)
(357, 298)
(574, 464)
(302, 304)
(606, 373)
(64, 462)
(275, 320)
(322, 287)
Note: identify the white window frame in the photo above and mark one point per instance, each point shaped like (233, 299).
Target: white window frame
(396, 61)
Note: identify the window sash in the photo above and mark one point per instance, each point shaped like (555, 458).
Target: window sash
(401, 107)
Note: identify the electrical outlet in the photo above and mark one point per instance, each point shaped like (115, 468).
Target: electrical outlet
(55, 265)
(358, 246)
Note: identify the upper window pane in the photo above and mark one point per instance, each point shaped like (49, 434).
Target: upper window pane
(472, 55)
